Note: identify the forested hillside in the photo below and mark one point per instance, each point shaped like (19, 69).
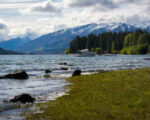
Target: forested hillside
(137, 42)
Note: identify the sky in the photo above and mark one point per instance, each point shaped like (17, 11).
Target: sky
(32, 18)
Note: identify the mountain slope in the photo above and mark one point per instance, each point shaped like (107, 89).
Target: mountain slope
(7, 52)
(56, 42)
(13, 43)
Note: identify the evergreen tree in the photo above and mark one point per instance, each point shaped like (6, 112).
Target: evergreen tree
(133, 43)
(113, 47)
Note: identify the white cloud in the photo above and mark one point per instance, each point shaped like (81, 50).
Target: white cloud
(3, 30)
(44, 7)
(19, 1)
(40, 17)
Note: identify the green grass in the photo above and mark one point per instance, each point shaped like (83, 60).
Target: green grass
(114, 95)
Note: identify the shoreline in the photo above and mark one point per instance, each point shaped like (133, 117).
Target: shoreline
(38, 84)
(32, 116)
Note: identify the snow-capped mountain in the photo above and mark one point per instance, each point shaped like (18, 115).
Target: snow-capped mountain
(56, 42)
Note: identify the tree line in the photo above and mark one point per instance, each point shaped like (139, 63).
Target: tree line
(137, 42)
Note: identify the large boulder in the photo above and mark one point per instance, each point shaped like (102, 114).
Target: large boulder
(24, 98)
(16, 75)
(77, 73)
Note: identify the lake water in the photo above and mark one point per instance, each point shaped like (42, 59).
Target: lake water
(44, 88)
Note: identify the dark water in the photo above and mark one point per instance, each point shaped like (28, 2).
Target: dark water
(45, 89)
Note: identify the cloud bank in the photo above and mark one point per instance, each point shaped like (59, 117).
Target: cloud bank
(37, 17)
(44, 7)
(3, 31)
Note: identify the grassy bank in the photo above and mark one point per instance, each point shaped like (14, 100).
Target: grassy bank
(115, 95)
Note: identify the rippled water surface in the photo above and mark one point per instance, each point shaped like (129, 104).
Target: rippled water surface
(44, 88)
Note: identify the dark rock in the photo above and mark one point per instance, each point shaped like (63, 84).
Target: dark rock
(62, 68)
(48, 71)
(24, 98)
(63, 63)
(16, 75)
(77, 73)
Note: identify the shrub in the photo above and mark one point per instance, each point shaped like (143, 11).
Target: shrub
(67, 51)
(92, 49)
(132, 50)
(124, 51)
(139, 49)
(142, 49)
(98, 50)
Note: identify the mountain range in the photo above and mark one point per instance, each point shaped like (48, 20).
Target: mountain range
(13, 44)
(58, 41)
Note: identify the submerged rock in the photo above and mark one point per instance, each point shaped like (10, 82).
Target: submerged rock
(24, 98)
(63, 63)
(76, 73)
(16, 75)
(63, 68)
(48, 71)
(47, 76)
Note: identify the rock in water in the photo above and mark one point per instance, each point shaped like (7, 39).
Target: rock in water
(63, 63)
(63, 68)
(77, 73)
(48, 71)
(24, 98)
(17, 75)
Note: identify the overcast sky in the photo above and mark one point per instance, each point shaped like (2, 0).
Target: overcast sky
(36, 17)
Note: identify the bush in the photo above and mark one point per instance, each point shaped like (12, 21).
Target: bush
(92, 49)
(142, 49)
(144, 39)
(98, 50)
(132, 50)
(115, 52)
(67, 51)
(124, 51)
(139, 49)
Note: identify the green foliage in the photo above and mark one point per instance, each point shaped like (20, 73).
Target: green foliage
(124, 51)
(132, 50)
(113, 47)
(113, 42)
(92, 49)
(114, 95)
(149, 49)
(103, 41)
(67, 51)
(142, 49)
(144, 39)
(139, 49)
(130, 40)
(98, 50)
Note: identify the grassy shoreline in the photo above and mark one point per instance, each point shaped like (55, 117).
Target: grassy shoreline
(113, 95)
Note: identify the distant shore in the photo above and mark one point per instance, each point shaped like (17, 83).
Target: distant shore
(113, 95)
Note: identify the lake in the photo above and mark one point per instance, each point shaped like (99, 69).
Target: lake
(48, 88)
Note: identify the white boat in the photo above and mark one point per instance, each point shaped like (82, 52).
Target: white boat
(85, 53)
